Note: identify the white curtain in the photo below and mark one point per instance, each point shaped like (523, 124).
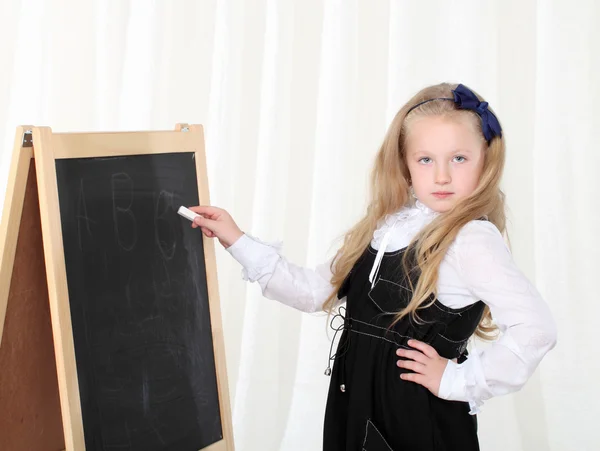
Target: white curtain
(295, 98)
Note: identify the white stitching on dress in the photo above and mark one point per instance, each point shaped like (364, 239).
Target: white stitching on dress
(451, 341)
(375, 302)
(380, 434)
(436, 302)
(394, 283)
(366, 433)
(373, 251)
(379, 327)
(448, 310)
(381, 338)
(378, 306)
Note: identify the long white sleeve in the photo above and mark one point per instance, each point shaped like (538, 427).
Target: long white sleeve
(527, 327)
(301, 288)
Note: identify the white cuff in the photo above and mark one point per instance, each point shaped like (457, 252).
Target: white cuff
(254, 255)
(460, 381)
(453, 384)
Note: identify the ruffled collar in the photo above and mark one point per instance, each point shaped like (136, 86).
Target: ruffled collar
(396, 230)
(413, 210)
(425, 209)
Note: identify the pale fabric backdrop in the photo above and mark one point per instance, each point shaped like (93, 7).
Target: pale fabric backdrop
(295, 98)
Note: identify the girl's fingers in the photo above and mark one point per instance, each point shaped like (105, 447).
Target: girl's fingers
(205, 223)
(424, 348)
(413, 355)
(410, 365)
(207, 232)
(414, 377)
(207, 210)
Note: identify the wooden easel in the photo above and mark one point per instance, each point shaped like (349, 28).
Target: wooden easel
(30, 415)
(39, 391)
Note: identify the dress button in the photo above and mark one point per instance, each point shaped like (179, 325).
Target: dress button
(343, 388)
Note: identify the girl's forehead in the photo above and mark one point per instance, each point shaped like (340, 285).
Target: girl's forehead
(442, 133)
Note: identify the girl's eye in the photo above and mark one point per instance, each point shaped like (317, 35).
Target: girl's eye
(425, 160)
(460, 159)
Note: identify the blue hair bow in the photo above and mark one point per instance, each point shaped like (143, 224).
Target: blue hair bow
(465, 99)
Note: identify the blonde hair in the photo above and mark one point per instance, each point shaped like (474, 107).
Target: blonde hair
(390, 191)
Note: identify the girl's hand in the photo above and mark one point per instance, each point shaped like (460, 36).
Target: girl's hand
(216, 222)
(427, 366)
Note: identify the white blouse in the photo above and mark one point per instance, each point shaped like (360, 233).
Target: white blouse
(477, 266)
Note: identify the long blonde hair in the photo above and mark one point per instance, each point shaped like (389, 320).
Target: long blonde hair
(390, 191)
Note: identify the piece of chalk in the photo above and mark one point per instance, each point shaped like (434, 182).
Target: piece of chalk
(187, 213)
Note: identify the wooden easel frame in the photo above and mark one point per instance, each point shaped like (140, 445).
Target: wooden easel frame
(47, 148)
(11, 219)
(30, 413)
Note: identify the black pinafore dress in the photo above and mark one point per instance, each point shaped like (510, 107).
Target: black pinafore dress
(369, 408)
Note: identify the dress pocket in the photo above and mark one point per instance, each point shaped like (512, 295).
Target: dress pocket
(374, 440)
(388, 296)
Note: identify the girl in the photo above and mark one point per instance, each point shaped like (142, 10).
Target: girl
(423, 271)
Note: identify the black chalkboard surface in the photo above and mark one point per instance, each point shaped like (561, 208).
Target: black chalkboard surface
(139, 303)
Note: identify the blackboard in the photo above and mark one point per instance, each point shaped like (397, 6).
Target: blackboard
(139, 305)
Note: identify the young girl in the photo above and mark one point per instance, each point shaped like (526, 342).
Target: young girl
(423, 271)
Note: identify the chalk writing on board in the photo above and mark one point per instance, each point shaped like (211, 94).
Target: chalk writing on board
(164, 233)
(123, 218)
(82, 215)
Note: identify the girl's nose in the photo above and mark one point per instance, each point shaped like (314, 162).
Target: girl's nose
(442, 176)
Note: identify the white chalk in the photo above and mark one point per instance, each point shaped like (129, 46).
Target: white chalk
(187, 213)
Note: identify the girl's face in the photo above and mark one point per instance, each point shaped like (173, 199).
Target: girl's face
(445, 158)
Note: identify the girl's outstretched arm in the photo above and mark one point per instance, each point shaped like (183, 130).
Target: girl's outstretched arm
(301, 288)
